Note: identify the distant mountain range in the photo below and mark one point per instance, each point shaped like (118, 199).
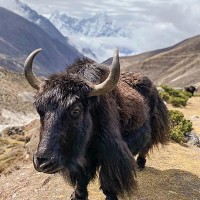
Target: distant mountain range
(95, 37)
(99, 25)
(100, 33)
(19, 37)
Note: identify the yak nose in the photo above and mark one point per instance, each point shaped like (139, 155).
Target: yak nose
(48, 165)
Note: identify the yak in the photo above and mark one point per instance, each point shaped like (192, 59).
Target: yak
(191, 89)
(94, 120)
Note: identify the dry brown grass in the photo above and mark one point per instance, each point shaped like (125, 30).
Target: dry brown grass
(11, 152)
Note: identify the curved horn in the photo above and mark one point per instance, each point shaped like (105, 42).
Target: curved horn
(28, 71)
(110, 83)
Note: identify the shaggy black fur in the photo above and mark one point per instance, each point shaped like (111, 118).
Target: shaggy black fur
(191, 89)
(89, 134)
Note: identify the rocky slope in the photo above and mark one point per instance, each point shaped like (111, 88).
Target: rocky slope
(176, 66)
(16, 98)
(19, 37)
(16, 110)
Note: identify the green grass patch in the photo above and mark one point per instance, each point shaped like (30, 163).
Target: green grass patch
(178, 98)
(179, 126)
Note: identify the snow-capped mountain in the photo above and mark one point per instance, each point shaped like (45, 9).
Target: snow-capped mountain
(22, 9)
(100, 33)
(99, 25)
(95, 37)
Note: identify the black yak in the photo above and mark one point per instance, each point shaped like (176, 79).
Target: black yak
(95, 120)
(191, 89)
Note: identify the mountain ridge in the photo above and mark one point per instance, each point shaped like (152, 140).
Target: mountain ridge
(19, 37)
(177, 65)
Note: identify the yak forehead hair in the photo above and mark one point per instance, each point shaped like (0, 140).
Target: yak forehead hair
(54, 97)
(63, 89)
(66, 83)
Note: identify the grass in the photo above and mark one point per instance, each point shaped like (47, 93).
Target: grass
(11, 151)
(178, 98)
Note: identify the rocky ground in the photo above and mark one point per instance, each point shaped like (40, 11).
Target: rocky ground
(171, 172)
(16, 99)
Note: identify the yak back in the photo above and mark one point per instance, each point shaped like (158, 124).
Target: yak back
(132, 108)
(157, 109)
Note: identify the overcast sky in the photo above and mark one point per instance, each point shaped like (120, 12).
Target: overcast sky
(162, 21)
(155, 23)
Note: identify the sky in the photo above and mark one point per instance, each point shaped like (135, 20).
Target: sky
(154, 23)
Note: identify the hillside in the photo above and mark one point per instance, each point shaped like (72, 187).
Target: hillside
(176, 66)
(19, 37)
(16, 110)
(16, 98)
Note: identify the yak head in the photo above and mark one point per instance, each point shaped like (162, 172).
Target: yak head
(63, 102)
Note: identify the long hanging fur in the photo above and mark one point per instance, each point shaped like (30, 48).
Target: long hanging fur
(158, 111)
(116, 161)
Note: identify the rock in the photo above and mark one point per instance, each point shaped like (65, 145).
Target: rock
(15, 130)
(192, 138)
(195, 117)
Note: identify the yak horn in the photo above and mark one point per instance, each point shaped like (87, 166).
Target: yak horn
(110, 83)
(28, 71)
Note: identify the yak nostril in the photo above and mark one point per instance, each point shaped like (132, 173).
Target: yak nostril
(45, 163)
(42, 161)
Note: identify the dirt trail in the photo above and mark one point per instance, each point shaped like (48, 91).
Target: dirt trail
(171, 173)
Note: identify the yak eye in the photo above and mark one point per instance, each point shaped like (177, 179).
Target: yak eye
(76, 111)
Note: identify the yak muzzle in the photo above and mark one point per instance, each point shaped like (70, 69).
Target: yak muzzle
(49, 165)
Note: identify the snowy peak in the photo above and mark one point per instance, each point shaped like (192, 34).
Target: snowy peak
(22, 9)
(26, 11)
(100, 34)
(99, 25)
(60, 19)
